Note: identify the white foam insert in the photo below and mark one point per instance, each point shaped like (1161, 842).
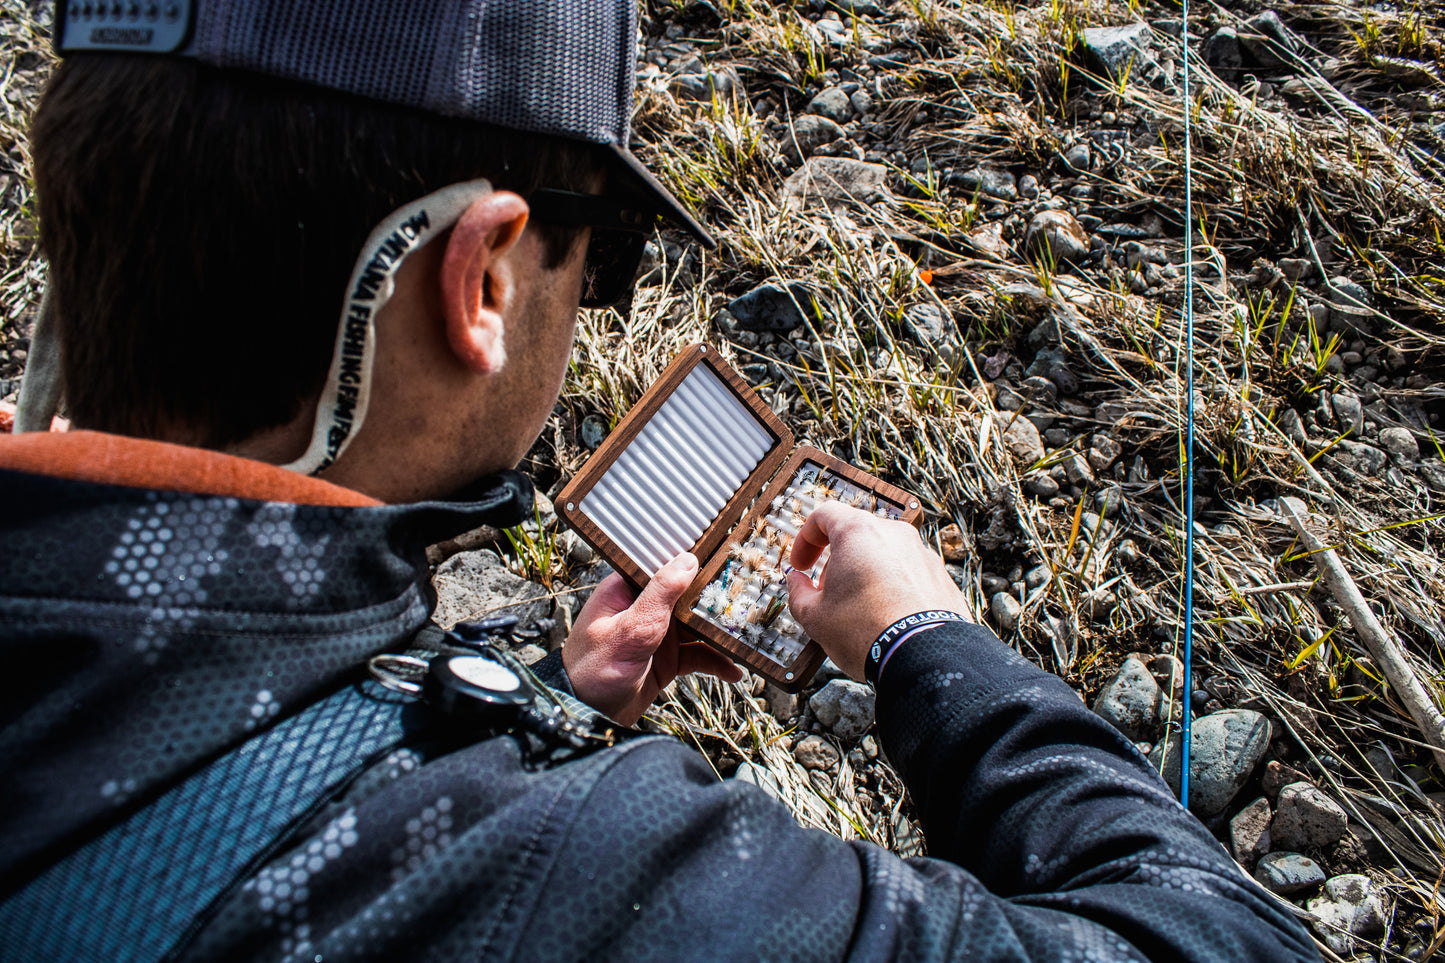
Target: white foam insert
(663, 492)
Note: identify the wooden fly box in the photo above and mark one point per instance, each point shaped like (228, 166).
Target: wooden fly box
(701, 464)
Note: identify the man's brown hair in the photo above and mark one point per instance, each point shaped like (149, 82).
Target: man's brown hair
(201, 227)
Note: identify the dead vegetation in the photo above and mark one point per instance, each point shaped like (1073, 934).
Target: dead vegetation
(1330, 165)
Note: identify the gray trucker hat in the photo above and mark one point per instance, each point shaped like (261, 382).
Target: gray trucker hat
(561, 67)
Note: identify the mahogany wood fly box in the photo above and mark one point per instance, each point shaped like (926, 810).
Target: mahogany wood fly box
(702, 464)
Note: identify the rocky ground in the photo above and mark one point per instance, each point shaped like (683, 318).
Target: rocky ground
(952, 251)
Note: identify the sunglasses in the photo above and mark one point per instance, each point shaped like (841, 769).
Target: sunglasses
(619, 233)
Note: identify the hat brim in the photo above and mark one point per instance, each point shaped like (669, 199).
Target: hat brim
(667, 206)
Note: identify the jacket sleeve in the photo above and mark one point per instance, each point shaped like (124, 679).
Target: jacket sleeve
(1055, 825)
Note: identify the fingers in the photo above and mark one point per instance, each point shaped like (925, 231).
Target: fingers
(803, 596)
(653, 609)
(816, 533)
(612, 595)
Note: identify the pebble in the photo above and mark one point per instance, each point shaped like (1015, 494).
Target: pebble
(1040, 485)
(815, 752)
(1108, 500)
(1226, 747)
(1078, 471)
(1349, 305)
(1057, 235)
(1006, 610)
(845, 707)
(1222, 51)
(1269, 41)
(1020, 437)
(1400, 442)
(861, 101)
(929, 323)
(1131, 701)
(1122, 51)
(593, 431)
(989, 182)
(1249, 837)
(1028, 187)
(993, 584)
(1305, 818)
(838, 181)
(469, 583)
(1363, 458)
(1077, 157)
(1286, 873)
(1103, 452)
(833, 104)
(808, 133)
(783, 706)
(1348, 907)
(1349, 411)
(772, 307)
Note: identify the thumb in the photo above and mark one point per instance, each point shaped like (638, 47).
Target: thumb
(803, 595)
(666, 587)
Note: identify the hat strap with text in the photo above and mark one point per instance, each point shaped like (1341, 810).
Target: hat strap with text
(343, 403)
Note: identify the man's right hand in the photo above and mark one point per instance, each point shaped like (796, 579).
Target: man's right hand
(878, 572)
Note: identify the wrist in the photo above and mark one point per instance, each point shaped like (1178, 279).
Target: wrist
(891, 638)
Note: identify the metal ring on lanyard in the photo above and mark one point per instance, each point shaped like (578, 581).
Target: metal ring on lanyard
(399, 673)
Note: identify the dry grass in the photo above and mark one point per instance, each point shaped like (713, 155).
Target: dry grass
(1329, 170)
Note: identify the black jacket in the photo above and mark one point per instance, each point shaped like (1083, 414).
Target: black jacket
(147, 634)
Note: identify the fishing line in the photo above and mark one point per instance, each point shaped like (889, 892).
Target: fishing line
(1188, 425)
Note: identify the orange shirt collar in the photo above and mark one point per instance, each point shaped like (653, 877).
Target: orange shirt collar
(93, 456)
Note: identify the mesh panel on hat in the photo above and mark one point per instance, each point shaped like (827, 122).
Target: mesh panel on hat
(560, 68)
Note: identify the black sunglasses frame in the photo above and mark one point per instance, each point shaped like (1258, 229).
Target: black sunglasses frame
(619, 235)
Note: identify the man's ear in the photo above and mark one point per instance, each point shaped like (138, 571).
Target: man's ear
(477, 286)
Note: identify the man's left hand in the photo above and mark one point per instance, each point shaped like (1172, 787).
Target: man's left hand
(624, 648)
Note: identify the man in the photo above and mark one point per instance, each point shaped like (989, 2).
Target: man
(229, 732)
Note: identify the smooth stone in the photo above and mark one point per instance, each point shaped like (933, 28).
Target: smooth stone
(1122, 50)
(1366, 459)
(1269, 41)
(838, 181)
(1249, 837)
(992, 584)
(833, 104)
(929, 323)
(1006, 610)
(989, 182)
(1305, 818)
(1131, 701)
(1286, 873)
(1348, 907)
(1104, 451)
(1400, 442)
(807, 133)
(815, 752)
(1349, 411)
(1057, 235)
(1041, 486)
(772, 307)
(1021, 438)
(593, 431)
(1222, 51)
(1349, 305)
(759, 776)
(845, 707)
(1226, 747)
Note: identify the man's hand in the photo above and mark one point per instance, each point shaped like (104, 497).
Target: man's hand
(623, 650)
(878, 572)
